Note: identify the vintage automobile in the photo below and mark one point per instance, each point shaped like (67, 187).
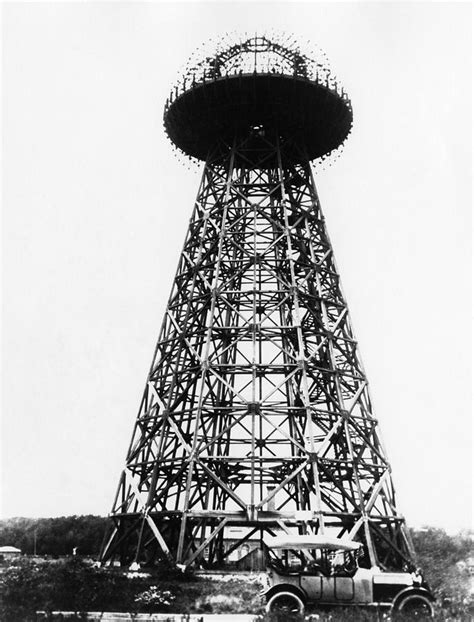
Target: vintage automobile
(312, 570)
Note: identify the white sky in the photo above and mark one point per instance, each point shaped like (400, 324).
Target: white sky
(95, 209)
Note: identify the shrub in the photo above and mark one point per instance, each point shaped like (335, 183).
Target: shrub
(71, 585)
(153, 598)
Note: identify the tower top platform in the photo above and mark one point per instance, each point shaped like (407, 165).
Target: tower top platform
(261, 84)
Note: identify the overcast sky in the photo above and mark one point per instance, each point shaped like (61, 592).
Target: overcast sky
(95, 209)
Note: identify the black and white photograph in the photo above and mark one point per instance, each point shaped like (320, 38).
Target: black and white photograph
(236, 311)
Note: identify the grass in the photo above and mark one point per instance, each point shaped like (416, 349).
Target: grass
(72, 585)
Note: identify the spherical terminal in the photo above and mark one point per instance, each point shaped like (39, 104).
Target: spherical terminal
(257, 81)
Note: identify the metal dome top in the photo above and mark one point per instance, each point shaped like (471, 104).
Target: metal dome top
(257, 82)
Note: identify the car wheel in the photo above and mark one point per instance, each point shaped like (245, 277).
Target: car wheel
(285, 602)
(414, 607)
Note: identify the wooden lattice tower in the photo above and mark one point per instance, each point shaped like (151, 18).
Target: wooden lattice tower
(256, 412)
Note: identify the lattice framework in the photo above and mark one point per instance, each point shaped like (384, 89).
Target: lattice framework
(256, 412)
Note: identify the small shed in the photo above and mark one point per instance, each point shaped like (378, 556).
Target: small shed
(8, 552)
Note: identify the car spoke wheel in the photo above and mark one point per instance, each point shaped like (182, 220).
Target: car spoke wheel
(414, 607)
(285, 602)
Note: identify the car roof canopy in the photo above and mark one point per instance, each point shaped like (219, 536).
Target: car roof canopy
(298, 542)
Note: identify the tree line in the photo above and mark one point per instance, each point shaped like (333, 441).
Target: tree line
(55, 536)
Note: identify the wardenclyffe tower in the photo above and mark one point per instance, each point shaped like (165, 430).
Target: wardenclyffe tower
(256, 416)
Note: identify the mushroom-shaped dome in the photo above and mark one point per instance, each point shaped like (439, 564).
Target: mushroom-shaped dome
(258, 83)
